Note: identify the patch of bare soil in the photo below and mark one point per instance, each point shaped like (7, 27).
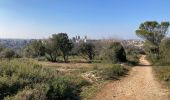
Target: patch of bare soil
(140, 84)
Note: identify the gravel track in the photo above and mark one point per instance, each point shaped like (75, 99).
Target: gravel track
(140, 84)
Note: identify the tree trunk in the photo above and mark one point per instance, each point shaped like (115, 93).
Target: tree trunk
(65, 57)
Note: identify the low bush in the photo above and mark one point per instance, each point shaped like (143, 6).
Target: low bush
(110, 71)
(38, 93)
(7, 53)
(115, 53)
(133, 59)
(62, 89)
(163, 73)
(164, 54)
(114, 72)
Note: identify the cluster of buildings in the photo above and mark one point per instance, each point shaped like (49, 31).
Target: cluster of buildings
(78, 39)
(134, 43)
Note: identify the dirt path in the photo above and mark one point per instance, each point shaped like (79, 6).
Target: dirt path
(138, 85)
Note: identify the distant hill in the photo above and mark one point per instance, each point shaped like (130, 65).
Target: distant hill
(15, 43)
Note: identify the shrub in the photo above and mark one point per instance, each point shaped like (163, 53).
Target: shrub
(7, 53)
(163, 73)
(15, 75)
(87, 50)
(60, 88)
(110, 71)
(114, 72)
(37, 93)
(34, 49)
(115, 53)
(133, 59)
(10, 85)
(66, 88)
(165, 52)
(152, 51)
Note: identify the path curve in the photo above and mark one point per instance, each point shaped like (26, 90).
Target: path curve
(140, 84)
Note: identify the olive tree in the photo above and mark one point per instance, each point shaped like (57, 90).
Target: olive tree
(87, 51)
(58, 44)
(63, 43)
(51, 51)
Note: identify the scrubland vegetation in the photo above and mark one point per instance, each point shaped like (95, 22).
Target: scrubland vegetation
(58, 68)
(24, 80)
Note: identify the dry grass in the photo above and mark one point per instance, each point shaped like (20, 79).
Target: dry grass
(65, 65)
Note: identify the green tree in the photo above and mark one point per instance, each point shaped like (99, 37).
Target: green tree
(62, 42)
(153, 32)
(87, 50)
(51, 51)
(7, 53)
(35, 49)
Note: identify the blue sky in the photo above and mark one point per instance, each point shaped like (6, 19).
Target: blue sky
(94, 18)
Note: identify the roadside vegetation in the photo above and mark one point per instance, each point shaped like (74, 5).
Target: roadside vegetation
(157, 47)
(61, 69)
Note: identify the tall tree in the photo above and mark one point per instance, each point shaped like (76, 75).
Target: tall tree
(153, 32)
